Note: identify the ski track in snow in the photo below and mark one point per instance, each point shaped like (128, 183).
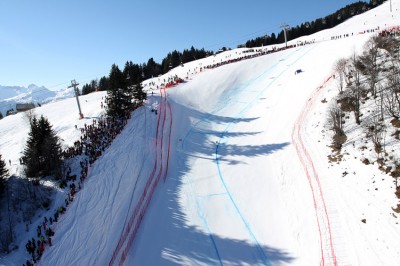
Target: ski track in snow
(230, 126)
(140, 173)
(331, 245)
(233, 96)
(138, 209)
(127, 237)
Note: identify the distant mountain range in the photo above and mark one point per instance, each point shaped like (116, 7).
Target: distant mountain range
(11, 95)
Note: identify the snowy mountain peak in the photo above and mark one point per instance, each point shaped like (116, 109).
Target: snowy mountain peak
(11, 95)
(33, 87)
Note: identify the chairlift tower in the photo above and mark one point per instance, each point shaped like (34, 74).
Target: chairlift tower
(74, 85)
(285, 26)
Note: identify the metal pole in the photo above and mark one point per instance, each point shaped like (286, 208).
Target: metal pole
(284, 26)
(75, 86)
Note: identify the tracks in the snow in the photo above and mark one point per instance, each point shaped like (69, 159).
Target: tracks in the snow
(227, 195)
(160, 169)
(328, 255)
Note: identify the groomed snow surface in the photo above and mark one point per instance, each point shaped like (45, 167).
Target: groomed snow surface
(232, 170)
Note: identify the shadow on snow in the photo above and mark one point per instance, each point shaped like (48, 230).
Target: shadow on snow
(180, 243)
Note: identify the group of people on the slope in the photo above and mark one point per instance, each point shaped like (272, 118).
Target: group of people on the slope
(35, 247)
(94, 140)
(392, 31)
(98, 136)
(346, 35)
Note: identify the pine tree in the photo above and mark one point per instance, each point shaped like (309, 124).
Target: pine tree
(133, 73)
(103, 84)
(42, 154)
(119, 94)
(151, 69)
(175, 59)
(139, 94)
(51, 149)
(31, 152)
(3, 175)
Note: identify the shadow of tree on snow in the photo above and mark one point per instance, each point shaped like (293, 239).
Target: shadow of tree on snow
(185, 244)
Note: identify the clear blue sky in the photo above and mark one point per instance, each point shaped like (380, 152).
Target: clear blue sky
(49, 42)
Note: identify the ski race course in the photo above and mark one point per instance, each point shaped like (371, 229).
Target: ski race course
(228, 167)
(159, 172)
(214, 197)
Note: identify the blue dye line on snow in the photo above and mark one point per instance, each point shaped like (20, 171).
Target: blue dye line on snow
(206, 119)
(203, 218)
(247, 225)
(212, 195)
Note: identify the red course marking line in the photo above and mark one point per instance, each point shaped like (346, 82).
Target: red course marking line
(139, 205)
(304, 156)
(143, 211)
(130, 241)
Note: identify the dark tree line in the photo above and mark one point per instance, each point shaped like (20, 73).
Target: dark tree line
(140, 72)
(308, 28)
(176, 58)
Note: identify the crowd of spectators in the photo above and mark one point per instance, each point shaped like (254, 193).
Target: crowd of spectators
(95, 139)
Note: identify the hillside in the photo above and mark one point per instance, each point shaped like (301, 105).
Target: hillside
(232, 170)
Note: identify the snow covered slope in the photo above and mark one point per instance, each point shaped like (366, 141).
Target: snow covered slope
(248, 180)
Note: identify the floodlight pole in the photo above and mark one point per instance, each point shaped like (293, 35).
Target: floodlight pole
(74, 85)
(390, 6)
(285, 26)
